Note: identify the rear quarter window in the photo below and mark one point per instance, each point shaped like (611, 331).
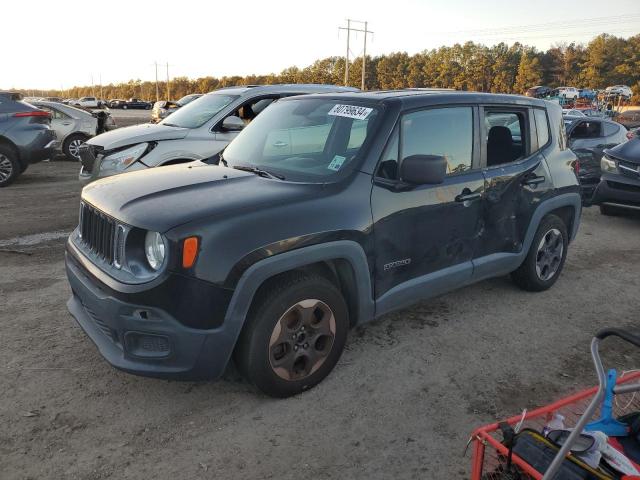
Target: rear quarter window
(610, 129)
(542, 127)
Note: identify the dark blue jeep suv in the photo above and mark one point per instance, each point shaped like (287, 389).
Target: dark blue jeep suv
(327, 211)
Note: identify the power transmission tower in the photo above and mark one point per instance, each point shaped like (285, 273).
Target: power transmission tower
(350, 29)
(168, 86)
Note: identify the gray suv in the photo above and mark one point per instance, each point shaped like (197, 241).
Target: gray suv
(197, 131)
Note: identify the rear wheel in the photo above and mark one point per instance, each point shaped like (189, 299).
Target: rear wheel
(10, 167)
(124, 107)
(543, 264)
(71, 146)
(294, 336)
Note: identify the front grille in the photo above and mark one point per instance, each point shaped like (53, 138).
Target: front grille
(97, 232)
(629, 169)
(623, 186)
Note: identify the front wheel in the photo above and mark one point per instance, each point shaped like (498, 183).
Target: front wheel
(124, 107)
(294, 336)
(547, 254)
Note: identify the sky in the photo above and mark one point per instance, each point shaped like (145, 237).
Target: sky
(58, 44)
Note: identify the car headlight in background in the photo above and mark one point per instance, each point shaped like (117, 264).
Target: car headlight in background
(154, 249)
(607, 165)
(118, 161)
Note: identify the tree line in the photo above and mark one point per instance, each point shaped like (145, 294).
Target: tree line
(502, 68)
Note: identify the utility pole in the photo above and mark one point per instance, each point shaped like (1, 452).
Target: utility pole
(366, 31)
(101, 95)
(168, 87)
(157, 89)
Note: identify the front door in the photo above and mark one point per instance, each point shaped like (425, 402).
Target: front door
(425, 236)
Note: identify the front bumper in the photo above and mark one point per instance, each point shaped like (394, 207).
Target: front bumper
(621, 190)
(143, 339)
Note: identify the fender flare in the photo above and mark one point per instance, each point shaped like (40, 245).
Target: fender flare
(262, 270)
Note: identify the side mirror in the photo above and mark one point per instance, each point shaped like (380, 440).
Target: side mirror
(232, 124)
(423, 169)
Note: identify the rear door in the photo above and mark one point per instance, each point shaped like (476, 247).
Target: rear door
(516, 178)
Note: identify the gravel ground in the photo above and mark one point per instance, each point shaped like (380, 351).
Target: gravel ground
(400, 404)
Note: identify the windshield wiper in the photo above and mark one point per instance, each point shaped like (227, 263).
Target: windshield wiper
(258, 171)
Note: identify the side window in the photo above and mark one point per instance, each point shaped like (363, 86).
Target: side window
(250, 110)
(506, 134)
(587, 129)
(447, 132)
(388, 167)
(610, 129)
(358, 133)
(305, 140)
(542, 127)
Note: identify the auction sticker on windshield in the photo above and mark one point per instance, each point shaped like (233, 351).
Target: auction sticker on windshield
(350, 111)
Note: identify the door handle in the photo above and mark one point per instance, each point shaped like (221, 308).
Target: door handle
(467, 196)
(533, 180)
(280, 144)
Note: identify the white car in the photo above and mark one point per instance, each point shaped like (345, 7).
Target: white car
(622, 90)
(87, 102)
(573, 112)
(567, 92)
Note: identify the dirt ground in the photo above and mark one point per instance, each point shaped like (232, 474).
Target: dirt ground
(401, 403)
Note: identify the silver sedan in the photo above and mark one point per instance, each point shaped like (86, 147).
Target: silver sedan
(74, 126)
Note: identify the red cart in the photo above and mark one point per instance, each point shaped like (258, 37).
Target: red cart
(489, 455)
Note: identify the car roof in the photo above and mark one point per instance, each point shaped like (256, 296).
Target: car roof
(436, 96)
(281, 88)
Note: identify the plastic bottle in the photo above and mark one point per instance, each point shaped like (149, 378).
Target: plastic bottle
(556, 423)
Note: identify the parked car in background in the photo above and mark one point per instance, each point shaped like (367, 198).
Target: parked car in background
(164, 108)
(565, 92)
(87, 102)
(116, 103)
(572, 112)
(136, 103)
(53, 99)
(587, 93)
(588, 137)
(629, 118)
(25, 136)
(197, 131)
(326, 212)
(621, 90)
(538, 92)
(74, 126)
(619, 187)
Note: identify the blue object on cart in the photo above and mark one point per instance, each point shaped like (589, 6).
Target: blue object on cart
(607, 424)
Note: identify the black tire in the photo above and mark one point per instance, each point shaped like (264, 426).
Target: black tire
(254, 351)
(67, 145)
(124, 107)
(10, 167)
(608, 210)
(527, 276)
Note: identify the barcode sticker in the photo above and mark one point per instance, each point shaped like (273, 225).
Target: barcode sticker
(350, 111)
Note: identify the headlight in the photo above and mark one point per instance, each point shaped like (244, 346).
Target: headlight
(608, 165)
(154, 249)
(120, 160)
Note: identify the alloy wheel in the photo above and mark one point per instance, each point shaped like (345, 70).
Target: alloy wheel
(549, 255)
(74, 148)
(302, 339)
(6, 167)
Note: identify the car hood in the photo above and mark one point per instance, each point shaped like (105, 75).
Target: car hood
(148, 132)
(163, 198)
(627, 151)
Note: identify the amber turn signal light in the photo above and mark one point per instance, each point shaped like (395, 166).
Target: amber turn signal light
(189, 252)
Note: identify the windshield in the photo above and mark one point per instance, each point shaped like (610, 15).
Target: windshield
(199, 111)
(303, 139)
